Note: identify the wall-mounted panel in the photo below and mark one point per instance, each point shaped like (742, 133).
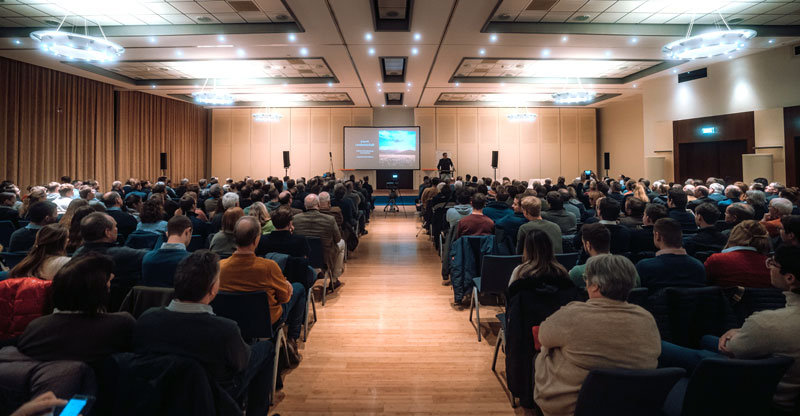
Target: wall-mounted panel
(340, 117)
(447, 135)
(468, 137)
(487, 139)
(279, 133)
(425, 118)
(569, 141)
(259, 148)
(550, 147)
(587, 141)
(320, 146)
(362, 116)
(240, 143)
(528, 157)
(221, 142)
(299, 142)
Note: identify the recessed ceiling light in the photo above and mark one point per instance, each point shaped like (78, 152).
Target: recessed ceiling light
(240, 52)
(458, 84)
(502, 84)
(383, 105)
(564, 38)
(634, 85)
(380, 90)
(292, 37)
(153, 86)
(545, 52)
(303, 51)
(179, 52)
(330, 84)
(634, 40)
(608, 53)
(730, 56)
(771, 41)
(17, 42)
(204, 19)
(368, 37)
(152, 39)
(493, 38)
(482, 51)
(414, 51)
(417, 36)
(582, 18)
(221, 38)
(371, 51)
(674, 71)
(408, 84)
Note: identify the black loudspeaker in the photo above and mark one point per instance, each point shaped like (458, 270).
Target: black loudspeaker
(286, 163)
(163, 161)
(494, 159)
(606, 161)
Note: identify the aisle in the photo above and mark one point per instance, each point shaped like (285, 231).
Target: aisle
(389, 342)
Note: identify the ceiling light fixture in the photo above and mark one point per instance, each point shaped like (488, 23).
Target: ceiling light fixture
(152, 39)
(522, 116)
(303, 51)
(634, 40)
(17, 42)
(417, 36)
(771, 41)
(221, 38)
(493, 38)
(564, 38)
(579, 96)
(482, 52)
(292, 37)
(458, 84)
(546, 52)
(213, 97)
(76, 46)
(330, 84)
(707, 45)
(414, 51)
(371, 51)
(368, 37)
(267, 116)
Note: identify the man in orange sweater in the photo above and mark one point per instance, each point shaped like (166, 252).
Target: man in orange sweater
(246, 272)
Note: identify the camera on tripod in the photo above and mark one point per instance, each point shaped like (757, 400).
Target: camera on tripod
(393, 185)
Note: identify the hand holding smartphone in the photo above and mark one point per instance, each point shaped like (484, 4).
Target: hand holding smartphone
(74, 406)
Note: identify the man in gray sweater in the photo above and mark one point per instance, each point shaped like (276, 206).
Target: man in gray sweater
(762, 334)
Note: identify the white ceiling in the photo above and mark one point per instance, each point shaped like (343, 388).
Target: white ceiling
(340, 33)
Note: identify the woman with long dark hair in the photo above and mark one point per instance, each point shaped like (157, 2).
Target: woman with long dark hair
(47, 256)
(538, 259)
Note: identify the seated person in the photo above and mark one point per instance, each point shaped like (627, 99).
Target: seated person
(189, 328)
(66, 192)
(538, 260)
(676, 202)
(620, 235)
(510, 223)
(778, 208)
(313, 223)
(222, 243)
(596, 240)
(158, 266)
(126, 223)
(532, 210)
(326, 208)
(498, 208)
(7, 210)
(734, 214)
(462, 208)
(79, 328)
(742, 261)
(282, 239)
(763, 334)
(708, 238)
(642, 238)
(152, 217)
(671, 267)
(475, 223)
(733, 194)
(99, 232)
(39, 214)
(556, 213)
(245, 272)
(595, 334)
(188, 207)
(48, 255)
(790, 230)
(634, 213)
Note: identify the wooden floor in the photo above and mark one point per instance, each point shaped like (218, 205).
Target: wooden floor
(389, 341)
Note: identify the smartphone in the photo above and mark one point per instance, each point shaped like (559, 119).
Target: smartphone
(587, 172)
(75, 406)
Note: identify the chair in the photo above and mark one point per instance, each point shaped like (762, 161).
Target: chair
(501, 338)
(747, 301)
(23, 223)
(625, 392)
(250, 310)
(638, 296)
(695, 312)
(12, 259)
(703, 255)
(6, 229)
(142, 298)
(316, 258)
(144, 239)
(722, 386)
(495, 274)
(197, 243)
(568, 260)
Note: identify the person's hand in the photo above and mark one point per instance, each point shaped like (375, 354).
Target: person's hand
(723, 341)
(40, 405)
(766, 217)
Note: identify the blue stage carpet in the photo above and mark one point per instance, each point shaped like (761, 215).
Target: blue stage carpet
(403, 200)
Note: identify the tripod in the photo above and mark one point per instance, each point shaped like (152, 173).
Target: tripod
(391, 204)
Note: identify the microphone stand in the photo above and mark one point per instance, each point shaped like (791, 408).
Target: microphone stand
(330, 157)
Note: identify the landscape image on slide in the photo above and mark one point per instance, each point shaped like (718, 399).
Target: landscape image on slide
(397, 148)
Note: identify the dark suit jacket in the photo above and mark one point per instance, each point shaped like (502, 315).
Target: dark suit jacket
(126, 223)
(347, 210)
(642, 239)
(199, 227)
(9, 214)
(706, 239)
(694, 204)
(282, 241)
(684, 217)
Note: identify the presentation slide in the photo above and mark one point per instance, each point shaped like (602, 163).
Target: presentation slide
(381, 148)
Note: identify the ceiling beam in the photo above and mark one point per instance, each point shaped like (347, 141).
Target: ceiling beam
(170, 30)
(625, 29)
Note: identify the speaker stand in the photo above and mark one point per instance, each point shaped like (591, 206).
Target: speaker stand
(495, 173)
(286, 171)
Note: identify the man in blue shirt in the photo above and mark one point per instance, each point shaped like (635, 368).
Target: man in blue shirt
(671, 267)
(40, 214)
(158, 266)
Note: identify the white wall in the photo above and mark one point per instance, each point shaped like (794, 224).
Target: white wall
(764, 82)
(621, 133)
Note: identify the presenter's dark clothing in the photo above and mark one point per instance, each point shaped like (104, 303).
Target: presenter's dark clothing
(445, 164)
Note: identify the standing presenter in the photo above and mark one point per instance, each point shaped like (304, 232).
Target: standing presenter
(445, 167)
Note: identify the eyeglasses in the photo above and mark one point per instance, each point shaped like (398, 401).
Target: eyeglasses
(770, 263)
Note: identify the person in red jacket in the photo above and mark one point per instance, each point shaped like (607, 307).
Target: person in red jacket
(743, 260)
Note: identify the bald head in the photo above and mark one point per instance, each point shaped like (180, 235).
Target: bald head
(285, 198)
(311, 202)
(247, 232)
(324, 200)
(112, 199)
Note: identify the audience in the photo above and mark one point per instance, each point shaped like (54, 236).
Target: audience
(259, 212)
(188, 327)
(282, 239)
(538, 260)
(313, 223)
(676, 202)
(531, 209)
(326, 208)
(778, 208)
(790, 230)
(245, 272)
(736, 213)
(556, 213)
(595, 334)
(475, 223)
(47, 256)
(620, 235)
(634, 213)
(462, 208)
(75, 240)
(763, 333)
(642, 238)
(152, 217)
(126, 223)
(497, 209)
(733, 195)
(596, 240)
(65, 192)
(79, 328)
(671, 267)
(7, 210)
(742, 262)
(158, 266)
(707, 238)
(223, 243)
(39, 214)
(99, 232)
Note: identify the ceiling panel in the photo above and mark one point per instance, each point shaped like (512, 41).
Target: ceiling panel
(549, 68)
(221, 69)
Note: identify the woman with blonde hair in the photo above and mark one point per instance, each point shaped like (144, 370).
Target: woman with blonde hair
(73, 206)
(640, 192)
(38, 193)
(259, 210)
(743, 260)
(47, 255)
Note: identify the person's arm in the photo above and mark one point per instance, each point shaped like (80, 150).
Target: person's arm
(711, 268)
(439, 165)
(554, 331)
(40, 405)
(283, 289)
(754, 339)
(237, 352)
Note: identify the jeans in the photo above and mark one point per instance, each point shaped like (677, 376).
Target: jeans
(256, 379)
(676, 356)
(294, 311)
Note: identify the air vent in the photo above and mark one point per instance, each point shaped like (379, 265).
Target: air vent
(735, 20)
(503, 16)
(541, 5)
(392, 15)
(394, 98)
(692, 75)
(244, 6)
(281, 17)
(581, 18)
(393, 68)
(204, 19)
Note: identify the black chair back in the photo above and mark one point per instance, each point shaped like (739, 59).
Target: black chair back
(722, 386)
(703, 255)
(142, 298)
(144, 239)
(624, 392)
(315, 253)
(754, 300)
(695, 312)
(568, 260)
(638, 296)
(496, 272)
(12, 259)
(6, 229)
(197, 243)
(249, 309)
